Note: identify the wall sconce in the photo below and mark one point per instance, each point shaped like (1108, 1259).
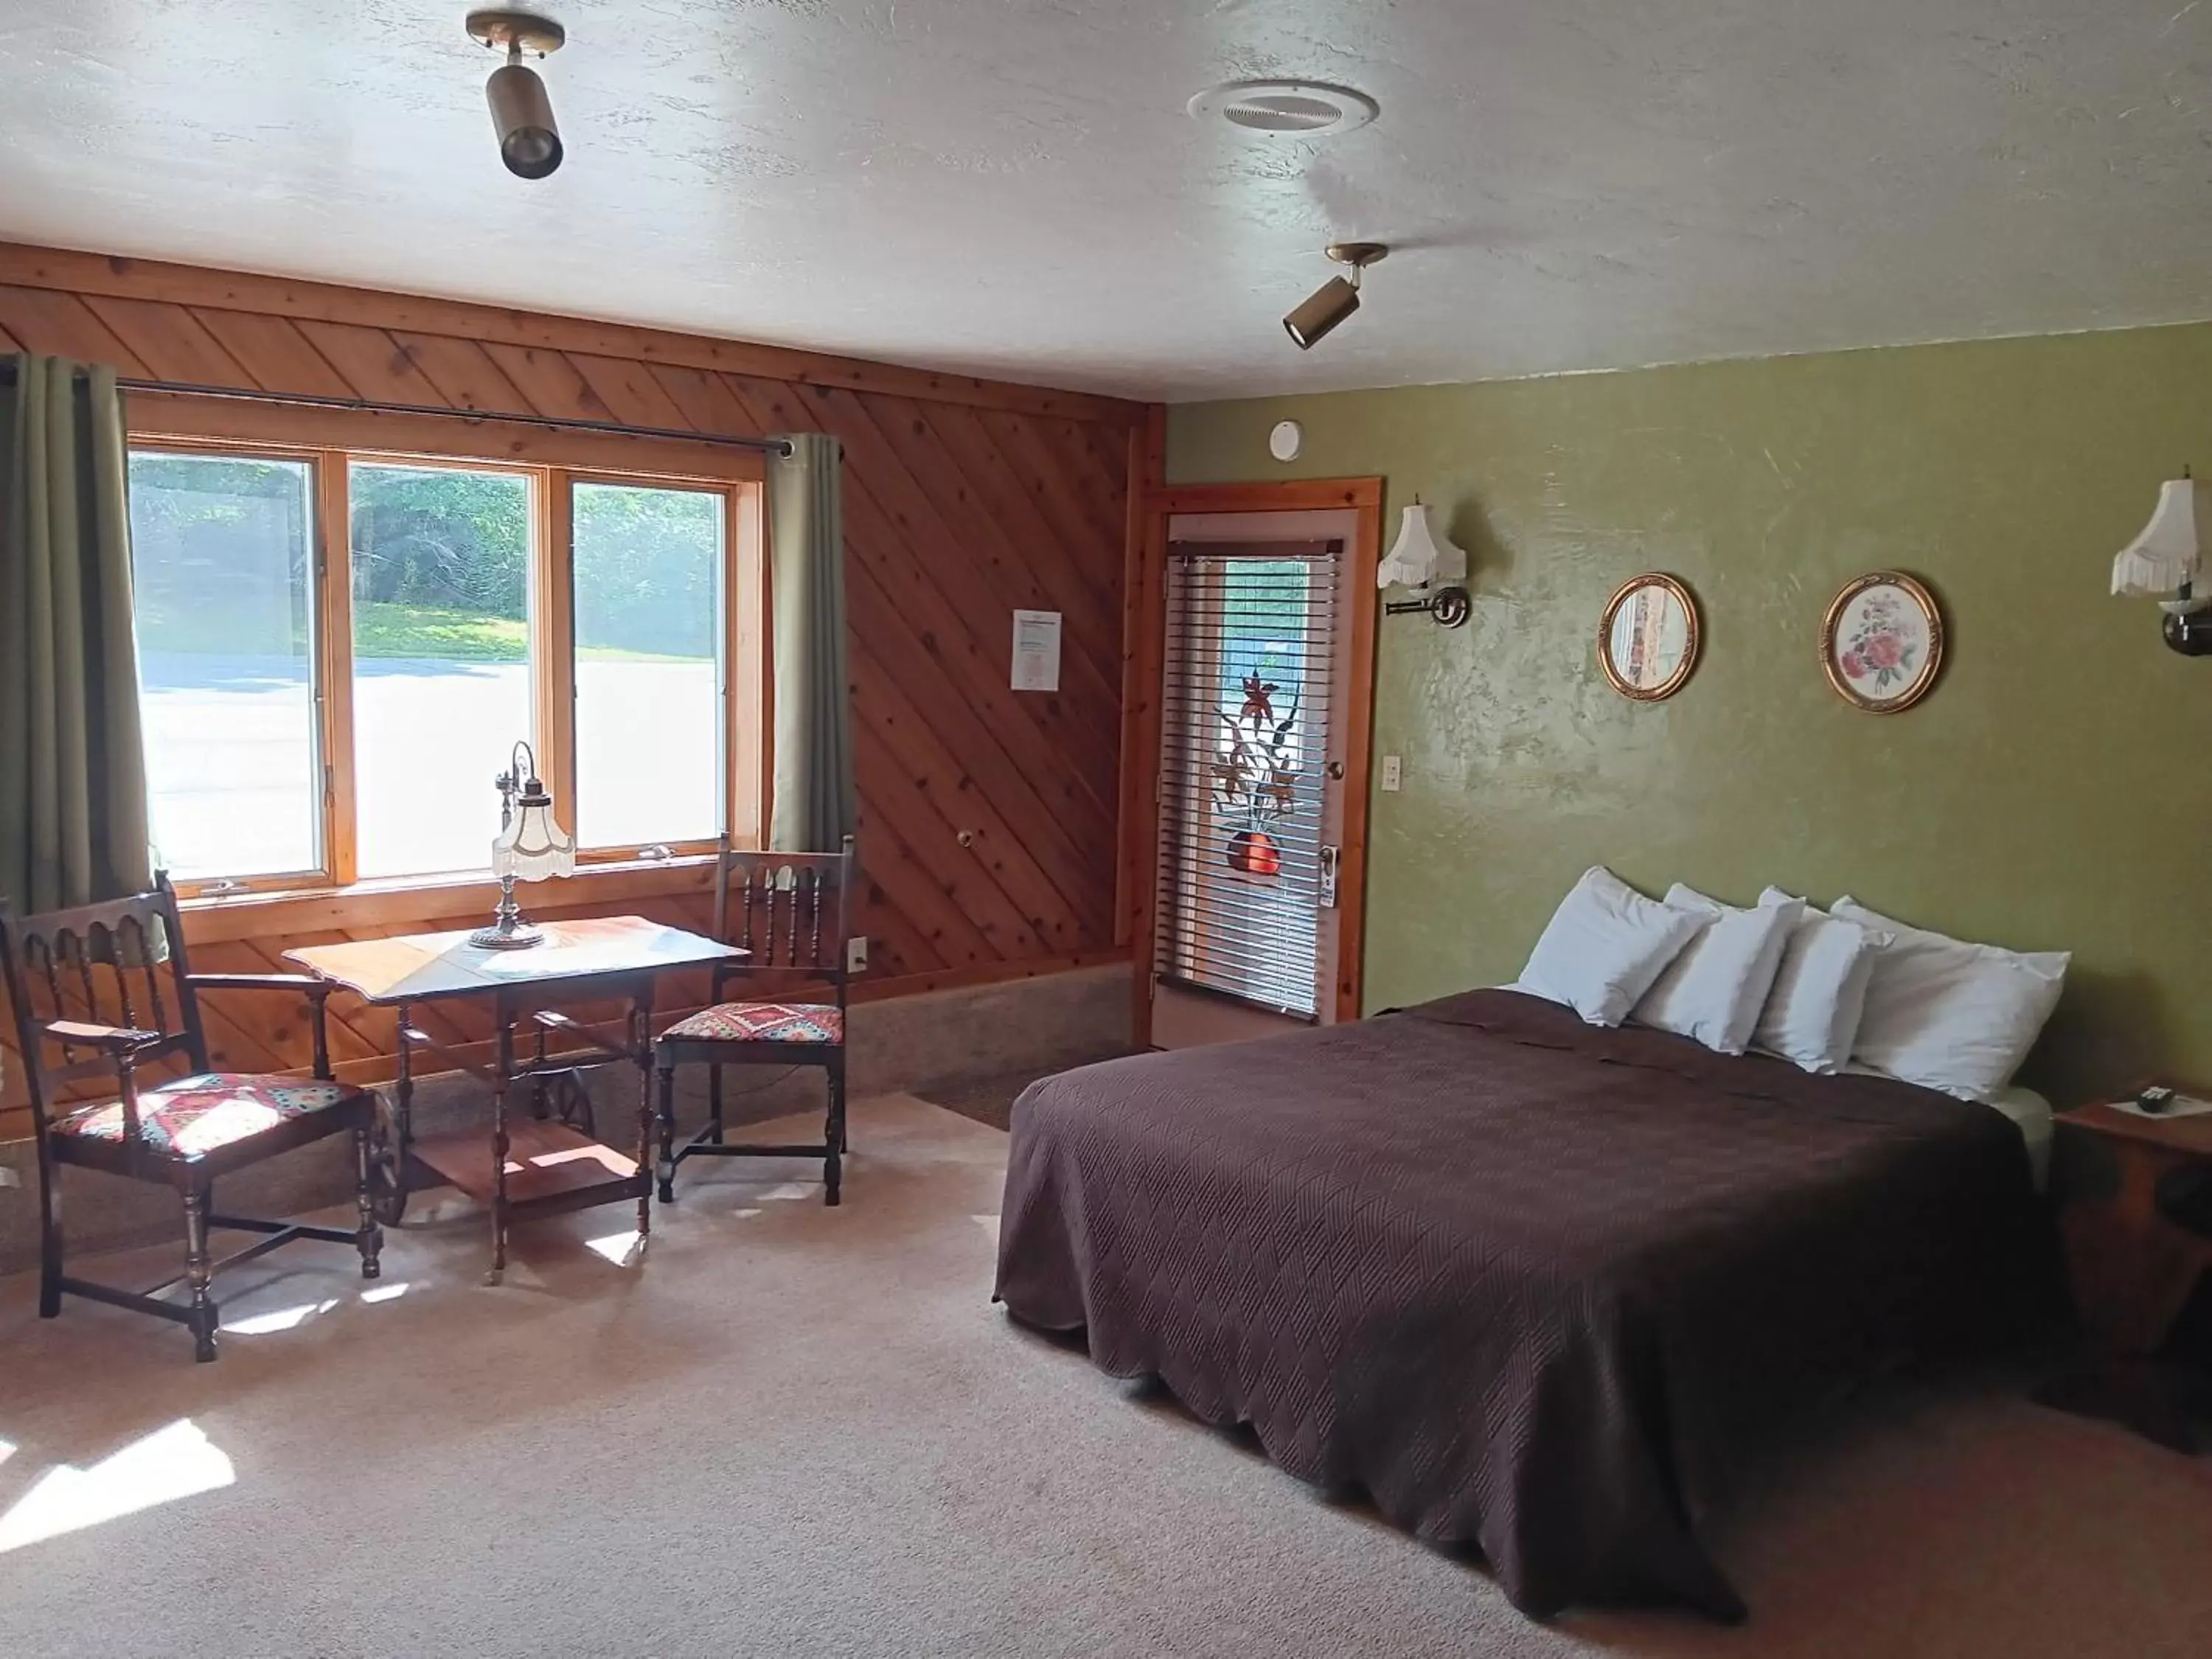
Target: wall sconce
(2163, 563)
(1421, 560)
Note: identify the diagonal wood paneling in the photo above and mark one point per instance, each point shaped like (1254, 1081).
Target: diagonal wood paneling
(988, 819)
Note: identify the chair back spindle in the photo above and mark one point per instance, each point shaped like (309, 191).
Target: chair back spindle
(77, 965)
(791, 910)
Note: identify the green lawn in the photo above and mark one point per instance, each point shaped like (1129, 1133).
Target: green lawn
(379, 630)
(422, 630)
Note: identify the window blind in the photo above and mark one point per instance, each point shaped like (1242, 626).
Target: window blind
(1244, 746)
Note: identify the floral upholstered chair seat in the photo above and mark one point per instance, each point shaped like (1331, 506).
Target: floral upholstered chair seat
(195, 1115)
(764, 1022)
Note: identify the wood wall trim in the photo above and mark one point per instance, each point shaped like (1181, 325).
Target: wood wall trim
(1142, 628)
(153, 417)
(1358, 759)
(227, 920)
(119, 279)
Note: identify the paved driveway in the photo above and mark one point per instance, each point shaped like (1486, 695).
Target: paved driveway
(230, 758)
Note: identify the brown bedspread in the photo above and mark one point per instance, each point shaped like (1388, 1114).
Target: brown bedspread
(1533, 1286)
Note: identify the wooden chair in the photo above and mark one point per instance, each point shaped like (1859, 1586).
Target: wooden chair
(70, 977)
(791, 911)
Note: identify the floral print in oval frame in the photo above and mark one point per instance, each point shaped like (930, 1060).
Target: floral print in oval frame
(1881, 642)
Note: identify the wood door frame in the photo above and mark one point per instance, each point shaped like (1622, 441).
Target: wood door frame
(1144, 661)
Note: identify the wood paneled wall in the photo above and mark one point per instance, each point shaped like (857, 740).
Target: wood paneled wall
(988, 818)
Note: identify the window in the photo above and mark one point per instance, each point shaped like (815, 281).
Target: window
(441, 638)
(223, 548)
(305, 730)
(649, 736)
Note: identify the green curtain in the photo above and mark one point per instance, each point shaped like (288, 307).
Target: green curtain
(814, 805)
(72, 760)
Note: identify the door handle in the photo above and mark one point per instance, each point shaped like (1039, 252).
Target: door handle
(1330, 858)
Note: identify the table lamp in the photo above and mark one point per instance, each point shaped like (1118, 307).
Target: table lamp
(529, 847)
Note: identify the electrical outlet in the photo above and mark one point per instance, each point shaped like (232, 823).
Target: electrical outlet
(1393, 774)
(856, 954)
(9, 1177)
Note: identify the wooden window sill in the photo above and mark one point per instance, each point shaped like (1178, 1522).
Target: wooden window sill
(220, 918)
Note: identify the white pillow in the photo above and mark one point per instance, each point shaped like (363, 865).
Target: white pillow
(1951, 1015)
(1713, 989)
(1812, 1010)
(1604, 945)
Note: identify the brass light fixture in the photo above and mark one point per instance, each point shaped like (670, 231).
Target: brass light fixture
(521, 113)
(1335, 299)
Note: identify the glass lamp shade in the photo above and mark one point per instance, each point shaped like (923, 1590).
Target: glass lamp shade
(1420, 557)
(2169, 554)
(534, 847)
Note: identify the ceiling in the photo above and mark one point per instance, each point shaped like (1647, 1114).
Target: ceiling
(1012, 188)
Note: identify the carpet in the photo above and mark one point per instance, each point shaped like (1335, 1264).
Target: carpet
(989, 1099)
(796, 1431)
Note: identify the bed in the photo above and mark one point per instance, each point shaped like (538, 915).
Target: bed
(1533, 1286)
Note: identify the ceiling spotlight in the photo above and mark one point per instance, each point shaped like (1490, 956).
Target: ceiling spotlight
(1335, 299)
(521, 114)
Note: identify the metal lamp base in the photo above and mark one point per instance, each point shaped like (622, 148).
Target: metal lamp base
(508, 931)
(1449, 606)
(502, 937)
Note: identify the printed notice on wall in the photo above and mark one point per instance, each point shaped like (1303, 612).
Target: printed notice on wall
(1036, 650)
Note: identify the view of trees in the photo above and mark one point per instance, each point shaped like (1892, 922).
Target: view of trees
(449, 540)
(440, 561)
(219, 551)
(648, 566)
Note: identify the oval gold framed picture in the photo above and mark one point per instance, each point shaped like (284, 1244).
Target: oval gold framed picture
(1647, 641)
(1881, 642)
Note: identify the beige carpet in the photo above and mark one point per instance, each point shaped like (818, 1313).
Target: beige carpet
(801, 1431)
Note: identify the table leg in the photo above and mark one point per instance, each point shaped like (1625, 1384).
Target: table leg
(503, 1073)
(641, 1043)
(392, 1200)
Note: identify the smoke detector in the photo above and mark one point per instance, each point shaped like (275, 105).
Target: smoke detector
(1299, 109)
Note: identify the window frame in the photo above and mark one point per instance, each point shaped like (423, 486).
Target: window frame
(319, 645)
(329, 441)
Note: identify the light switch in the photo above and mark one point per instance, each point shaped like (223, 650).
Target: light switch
(1393, 774)
(856, 954)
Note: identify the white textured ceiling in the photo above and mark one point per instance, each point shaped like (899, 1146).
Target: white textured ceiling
(1011, 186)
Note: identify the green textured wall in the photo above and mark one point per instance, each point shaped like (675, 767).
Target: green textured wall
(2054, 791)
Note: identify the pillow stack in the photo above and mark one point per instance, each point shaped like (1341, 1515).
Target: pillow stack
(1604, 946)
(1713, 989)
(1949, 1015)
(1824, 990)
(1812, 1015)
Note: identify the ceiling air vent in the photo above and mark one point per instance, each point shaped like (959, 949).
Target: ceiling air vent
(1303, 109)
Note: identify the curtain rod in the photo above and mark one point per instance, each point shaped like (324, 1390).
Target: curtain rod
(369, 406)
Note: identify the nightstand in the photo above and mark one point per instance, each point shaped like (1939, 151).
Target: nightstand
(2130, 1265)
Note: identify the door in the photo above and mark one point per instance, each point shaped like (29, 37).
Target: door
(1253, 776)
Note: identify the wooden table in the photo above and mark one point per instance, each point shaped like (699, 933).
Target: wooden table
(2131, 1268)
(532, 1166)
